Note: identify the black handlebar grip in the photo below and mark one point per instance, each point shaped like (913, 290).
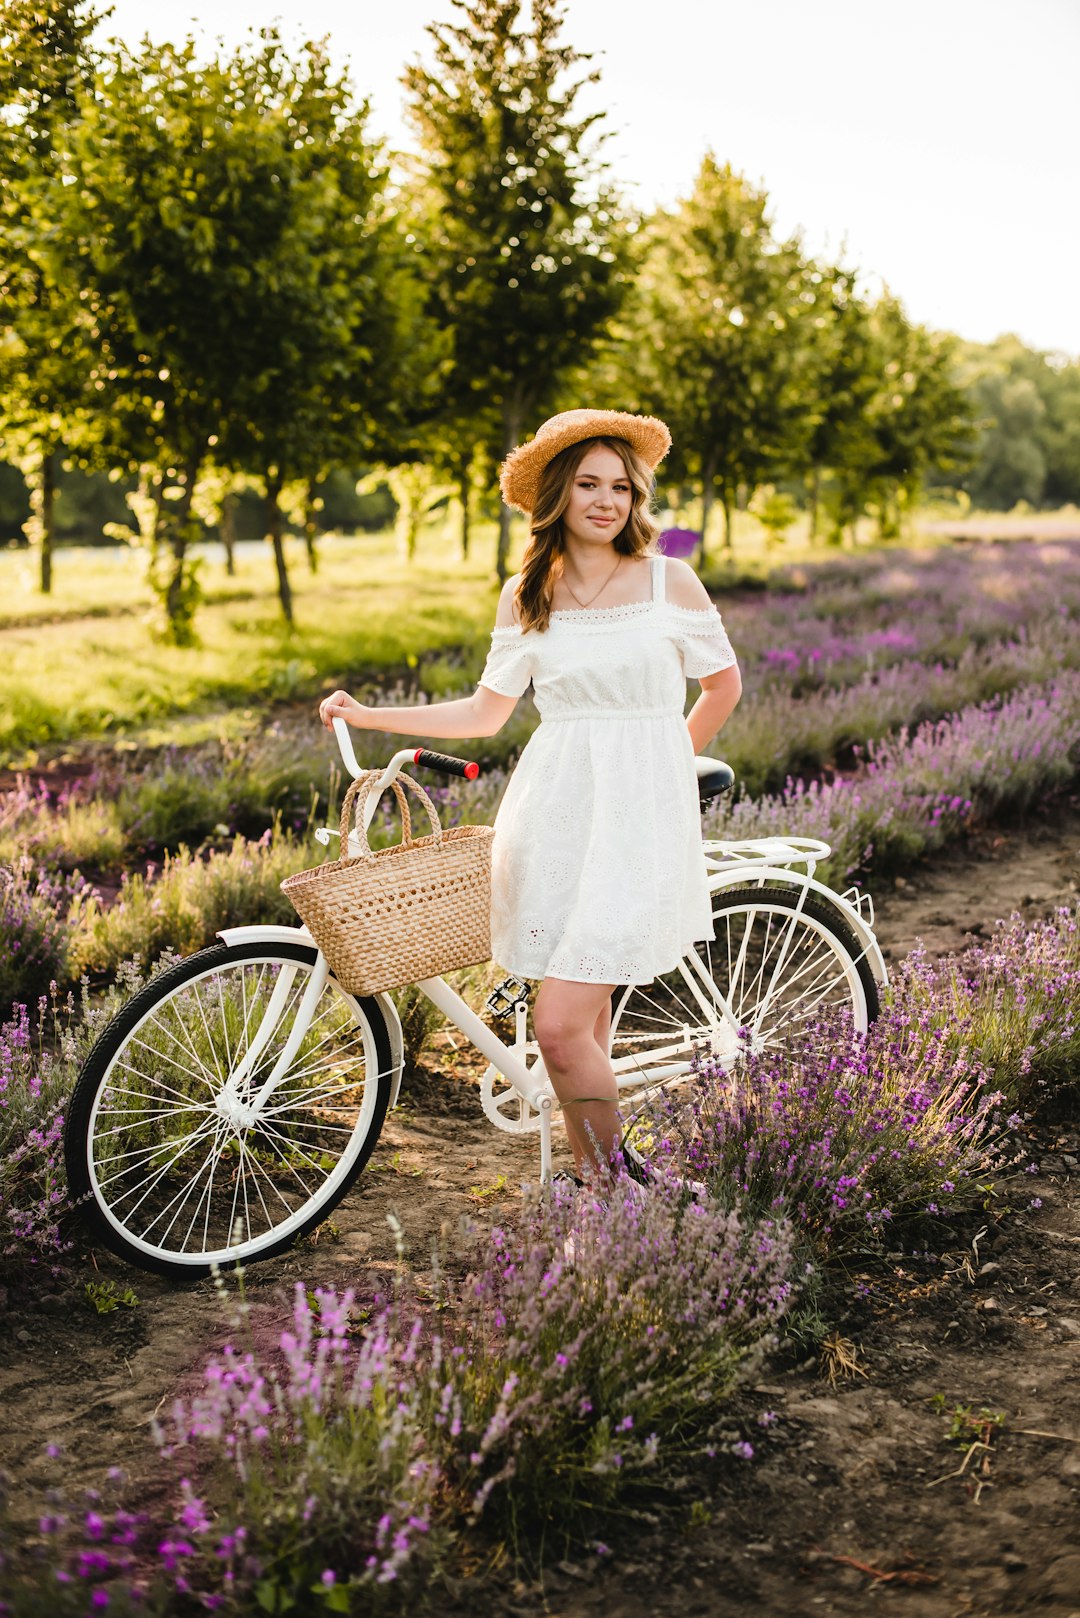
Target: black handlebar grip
(448, 765)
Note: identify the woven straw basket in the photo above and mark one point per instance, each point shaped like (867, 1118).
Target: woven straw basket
(393, 915)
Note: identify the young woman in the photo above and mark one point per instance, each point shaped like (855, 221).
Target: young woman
(598, 874)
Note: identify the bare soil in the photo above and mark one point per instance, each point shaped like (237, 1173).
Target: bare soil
(857, 1500)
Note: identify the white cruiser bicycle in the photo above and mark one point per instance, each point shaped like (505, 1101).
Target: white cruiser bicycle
(231, 1103)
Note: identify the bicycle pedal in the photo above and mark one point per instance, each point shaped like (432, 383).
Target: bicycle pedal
(506, 996)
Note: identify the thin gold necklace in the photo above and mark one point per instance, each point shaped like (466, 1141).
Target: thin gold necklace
(599, 592)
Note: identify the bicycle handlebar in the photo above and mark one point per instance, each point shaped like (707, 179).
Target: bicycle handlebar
(447, 763)
(444, 762)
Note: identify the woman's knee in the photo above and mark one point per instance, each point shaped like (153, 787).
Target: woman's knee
(561, 1037)
(565, 1019)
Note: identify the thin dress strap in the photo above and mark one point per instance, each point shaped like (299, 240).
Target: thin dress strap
(659, 568)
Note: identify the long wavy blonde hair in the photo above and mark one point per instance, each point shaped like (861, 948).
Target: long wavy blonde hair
(547, 543)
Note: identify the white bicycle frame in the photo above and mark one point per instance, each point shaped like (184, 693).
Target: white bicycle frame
(789, 860)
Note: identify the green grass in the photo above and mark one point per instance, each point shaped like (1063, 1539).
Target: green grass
(363, 614)
(82, 665)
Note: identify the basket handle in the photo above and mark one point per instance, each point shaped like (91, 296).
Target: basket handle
(353, 804)
(355, 801)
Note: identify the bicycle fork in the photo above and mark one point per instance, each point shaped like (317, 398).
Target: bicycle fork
(229, 1103)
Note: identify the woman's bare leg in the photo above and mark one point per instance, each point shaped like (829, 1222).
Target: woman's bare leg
(571, 1022)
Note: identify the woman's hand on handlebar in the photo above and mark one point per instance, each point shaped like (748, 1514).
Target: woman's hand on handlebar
(339, 705)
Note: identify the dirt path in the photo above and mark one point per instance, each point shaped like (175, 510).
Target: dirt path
(846, 1475)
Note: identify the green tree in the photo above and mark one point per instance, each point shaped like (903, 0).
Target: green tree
(889, 412)
(921, 417)
(718, 341)
(1061, 429)
(845, 378)
(345, 361)
(521, 237)
(1027, 404)
(45, 64)
(245, 290)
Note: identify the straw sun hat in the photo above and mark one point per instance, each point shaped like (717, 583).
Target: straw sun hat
(519, 475)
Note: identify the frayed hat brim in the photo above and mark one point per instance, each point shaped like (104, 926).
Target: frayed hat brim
(520, 473)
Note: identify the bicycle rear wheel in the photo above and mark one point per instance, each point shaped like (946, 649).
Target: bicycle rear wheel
(183, 1154)
(779, 957)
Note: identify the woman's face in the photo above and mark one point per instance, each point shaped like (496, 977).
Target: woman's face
(600, 500)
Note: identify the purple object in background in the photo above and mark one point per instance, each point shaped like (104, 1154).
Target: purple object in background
(678, 541)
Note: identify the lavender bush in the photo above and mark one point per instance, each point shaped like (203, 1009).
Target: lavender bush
(78, 826)
(587, 1346)
(184, 906)
(85, 1555)
(33, 1192)
(917, 789)
(600, 1336)
(1010, 1007)
(330, 1456)
(844, 1135)
(35, 930)
(774, 731)
(40, 1058)
(847, 1136)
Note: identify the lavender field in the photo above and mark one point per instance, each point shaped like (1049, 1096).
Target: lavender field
(452, 1394)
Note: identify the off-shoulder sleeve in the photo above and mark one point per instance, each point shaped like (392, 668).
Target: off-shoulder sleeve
(507, 669)
(702, 640)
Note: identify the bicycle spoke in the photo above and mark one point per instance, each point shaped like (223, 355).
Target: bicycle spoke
(185, 1044)
(185, 1192)
(121, 1089)
(332, 1085)
(259, 1168)
(140, 1120)
(304, 1123)
(267, 1215)
(156, 1181)
(200, 1078)
(153, 1150)
(290, 1147)
(786, 936)
(313, 1063)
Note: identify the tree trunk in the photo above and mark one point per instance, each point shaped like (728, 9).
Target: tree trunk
(727, 505)
(511, 432)
(408, 522)
(708, 494)
(310, 527)
(227, 529)
(176, 610)
(813, 490)
(465, 495)
(48, 517)
(274, 535)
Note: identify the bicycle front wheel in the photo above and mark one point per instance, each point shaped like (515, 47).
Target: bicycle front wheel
(224, 1112)
(778, 958)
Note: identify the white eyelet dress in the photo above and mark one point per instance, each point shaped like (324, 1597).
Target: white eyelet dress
(598, 874)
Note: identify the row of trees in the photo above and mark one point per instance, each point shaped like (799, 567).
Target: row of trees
(1027, 409)
(215, 282)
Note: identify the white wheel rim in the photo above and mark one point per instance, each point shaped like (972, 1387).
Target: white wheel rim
(158, 1195)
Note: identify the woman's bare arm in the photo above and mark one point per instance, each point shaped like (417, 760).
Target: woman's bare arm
(482, 714)
(719, 695)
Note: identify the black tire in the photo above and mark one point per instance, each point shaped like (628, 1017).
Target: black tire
(655, 1022)
(274, 1140)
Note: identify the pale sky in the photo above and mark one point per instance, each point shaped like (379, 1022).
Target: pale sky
(935, 141)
